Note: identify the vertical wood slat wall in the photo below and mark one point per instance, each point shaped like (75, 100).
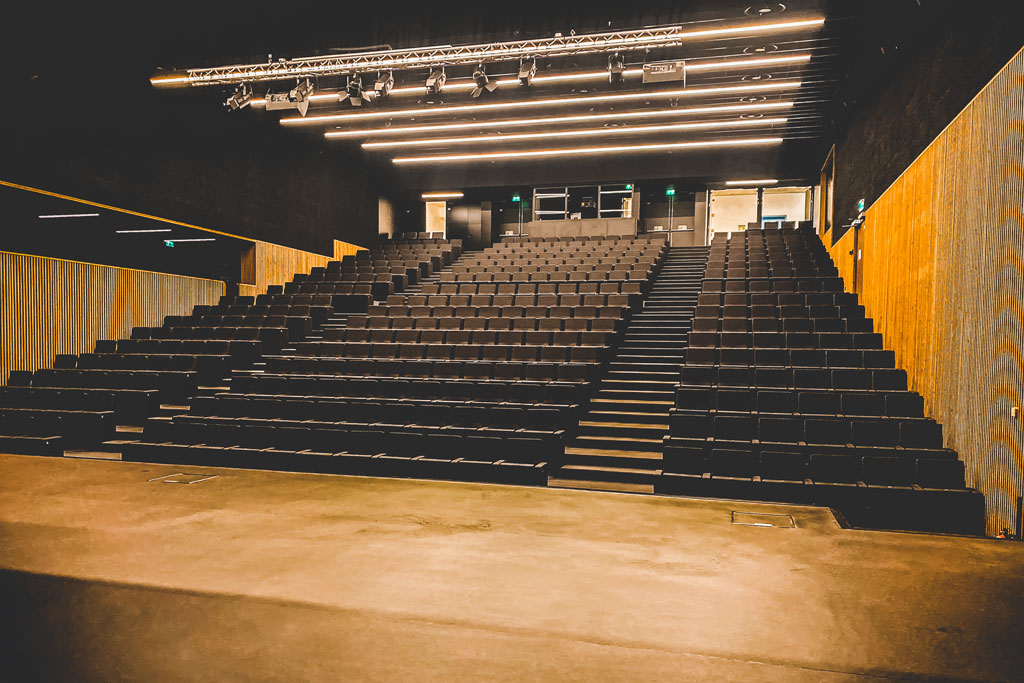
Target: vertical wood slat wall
(275, 264)
(942, 274)
(50, 306)
(345, 249)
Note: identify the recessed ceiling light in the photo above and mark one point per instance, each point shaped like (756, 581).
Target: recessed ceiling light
(763, 181)
(441, 195)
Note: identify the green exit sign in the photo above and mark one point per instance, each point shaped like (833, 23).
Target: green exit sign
(629, 187)
(860, 206)
(516, 197)
(670, 191)
(168, 243)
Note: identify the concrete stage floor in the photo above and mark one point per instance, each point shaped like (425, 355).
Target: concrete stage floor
(106, 575)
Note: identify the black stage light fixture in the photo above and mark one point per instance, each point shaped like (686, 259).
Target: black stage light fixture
(527, 70)
(436, 81)
(384, 83)
(354, 93)
(297, 98)
(483, 82)
(240, 98)
(616, 65)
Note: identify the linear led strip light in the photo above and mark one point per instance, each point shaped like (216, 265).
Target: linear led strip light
(586, 132)
(470, 54)
(758, 107)
(148, 230)
(577, 151)
(430, 196)
(764, 181)
(547, 102)
(70, 215)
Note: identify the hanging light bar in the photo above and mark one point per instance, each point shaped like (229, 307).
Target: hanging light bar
(148, 230)
(560, 45)
(545, 120)
(576, 151)
(746, 88)
(587, 132)
(751, 63)
(763, 181)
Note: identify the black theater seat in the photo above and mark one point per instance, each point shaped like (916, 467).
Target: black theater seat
(787, 394)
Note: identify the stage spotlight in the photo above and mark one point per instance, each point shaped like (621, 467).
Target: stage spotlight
(355, 95)
(297, 98)
(240, 98)
(384, 83)
(527, 70)
(436, 81)
(616, 65)
(483, 82)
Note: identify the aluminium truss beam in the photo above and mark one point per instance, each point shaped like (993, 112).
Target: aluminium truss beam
(558, 46)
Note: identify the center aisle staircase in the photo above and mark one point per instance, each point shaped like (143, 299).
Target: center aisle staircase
(619, 443)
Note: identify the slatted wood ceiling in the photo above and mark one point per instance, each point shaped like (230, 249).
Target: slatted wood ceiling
(942, 274)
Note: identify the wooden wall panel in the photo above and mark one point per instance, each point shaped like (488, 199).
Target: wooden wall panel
(345, 249)
(50, 306)
(276, 265)
(273, 264)
(942, 274)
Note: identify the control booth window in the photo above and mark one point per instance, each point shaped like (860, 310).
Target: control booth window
(580, 202)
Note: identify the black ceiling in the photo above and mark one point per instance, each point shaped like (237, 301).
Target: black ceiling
(83, 73)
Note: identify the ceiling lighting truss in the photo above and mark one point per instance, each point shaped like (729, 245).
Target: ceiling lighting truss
(558, 46)
(528, 76)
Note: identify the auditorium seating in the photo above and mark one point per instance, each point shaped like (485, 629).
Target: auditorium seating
(787, 395)
(79, 402)
(485, 385)
(380, 272)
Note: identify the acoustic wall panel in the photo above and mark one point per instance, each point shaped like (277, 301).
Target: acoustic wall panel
(941, 271)
(50, 306)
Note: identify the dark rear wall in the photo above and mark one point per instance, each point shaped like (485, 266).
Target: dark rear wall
(937, 56)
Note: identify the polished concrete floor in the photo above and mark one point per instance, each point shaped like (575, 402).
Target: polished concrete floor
(109, 572)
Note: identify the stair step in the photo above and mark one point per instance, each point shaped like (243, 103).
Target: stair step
(613, 457)
(636, 402)
(609, 486)
(645, 444)
(630, 430)
(602, 473)
(616, 415)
